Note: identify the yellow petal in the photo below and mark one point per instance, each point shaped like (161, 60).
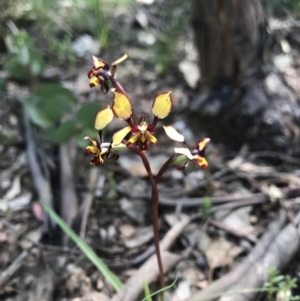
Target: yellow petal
(202, 143)
(134, 138)
(162, 105)
(120, 135)
(173, 134)
(103, 118)
(121, 59)
(92, 150)
(152, 138)
(94, 81)
(93, 142)
(122, 106)
(98, 63)
(184, 151)
(201, 162)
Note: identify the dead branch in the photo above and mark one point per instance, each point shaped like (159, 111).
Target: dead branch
(225, 282)
(277, 256)
(41, 183)
(85, 207)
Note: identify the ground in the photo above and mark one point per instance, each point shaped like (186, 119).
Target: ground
(216, 218)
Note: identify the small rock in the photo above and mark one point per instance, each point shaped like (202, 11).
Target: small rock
(127, 231)
(183, 290)
(142, 19)
(190, 72)
(142, 236)
(146, 38)
(282, 61)
(86, 45)
(146, 2)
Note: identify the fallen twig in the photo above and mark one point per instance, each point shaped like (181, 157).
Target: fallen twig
(14, 266)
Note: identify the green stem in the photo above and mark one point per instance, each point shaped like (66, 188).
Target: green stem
(154, 205)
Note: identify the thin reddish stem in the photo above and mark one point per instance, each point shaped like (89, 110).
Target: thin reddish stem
(154, 205)
(163, 169)
(117, 85)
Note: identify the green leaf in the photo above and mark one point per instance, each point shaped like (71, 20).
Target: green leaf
(52, 90)
(86, 114)
(54, 101)
(16, 70)
(63, 133)
(36, 62)
(82, 245)
(36, 112)
(23, 56)
(147, 291)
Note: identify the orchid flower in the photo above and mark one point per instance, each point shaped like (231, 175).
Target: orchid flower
(142, 131)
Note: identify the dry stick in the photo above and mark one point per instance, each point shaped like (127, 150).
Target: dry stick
(68, 192)
(255, 198)
(154, 205)
(222, 284)
(13, 267)
(277, 256)
(85, 207)
(41, 184)
(134, 286)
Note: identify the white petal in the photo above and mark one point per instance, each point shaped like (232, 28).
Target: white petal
(173, 134)
(184, 151)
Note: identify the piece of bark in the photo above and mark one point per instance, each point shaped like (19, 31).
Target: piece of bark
(225, 282)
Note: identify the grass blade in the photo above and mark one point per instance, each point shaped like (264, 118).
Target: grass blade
(82, 245)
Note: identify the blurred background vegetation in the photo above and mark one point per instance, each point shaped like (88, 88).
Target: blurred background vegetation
(39, 34)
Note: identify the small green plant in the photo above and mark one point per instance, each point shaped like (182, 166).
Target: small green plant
(280, 286)
(205, 208)
(149, 295)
